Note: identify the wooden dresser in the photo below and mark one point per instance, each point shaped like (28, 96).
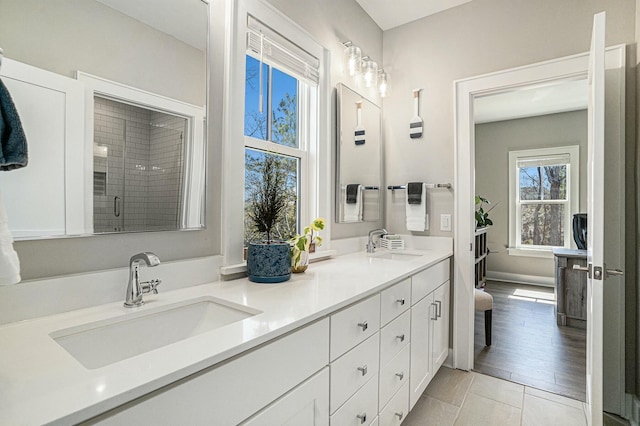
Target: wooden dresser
(571, 287)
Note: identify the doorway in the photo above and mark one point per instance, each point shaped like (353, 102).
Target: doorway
(466, 91)
(530, 178)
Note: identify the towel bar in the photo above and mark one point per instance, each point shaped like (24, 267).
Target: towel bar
(366, 188)
(429, 185)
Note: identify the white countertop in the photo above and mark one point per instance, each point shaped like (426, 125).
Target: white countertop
(41, 383)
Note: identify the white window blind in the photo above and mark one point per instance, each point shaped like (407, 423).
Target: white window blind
(274, 49)
(551, 160)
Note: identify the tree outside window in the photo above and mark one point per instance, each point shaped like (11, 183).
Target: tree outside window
(272, 141)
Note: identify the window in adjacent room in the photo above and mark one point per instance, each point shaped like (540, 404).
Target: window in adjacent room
(543, 195)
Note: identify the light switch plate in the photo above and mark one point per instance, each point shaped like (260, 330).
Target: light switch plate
(445, 222)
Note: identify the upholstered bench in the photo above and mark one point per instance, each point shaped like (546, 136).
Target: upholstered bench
(484, 302)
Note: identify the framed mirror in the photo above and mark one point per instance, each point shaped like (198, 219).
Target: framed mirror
(112, 96)
(359, 158)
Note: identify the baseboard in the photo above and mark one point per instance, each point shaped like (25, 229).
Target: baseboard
(521, 278)
(632, 408)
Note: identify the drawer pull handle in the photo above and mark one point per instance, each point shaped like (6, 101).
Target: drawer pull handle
(400, 337)
(363, 325)
(400, 375)
(400, 301)
(362, 417)
(400, 415)
(439, 309)
(435, 318)
(363, 370)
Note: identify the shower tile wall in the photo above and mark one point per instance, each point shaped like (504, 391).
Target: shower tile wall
(166, 162)
(146, 204)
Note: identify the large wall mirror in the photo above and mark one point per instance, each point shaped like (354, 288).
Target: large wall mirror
(112, 96)
(359, 158)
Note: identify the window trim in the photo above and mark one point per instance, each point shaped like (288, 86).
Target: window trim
(317, 182)
(516, 248)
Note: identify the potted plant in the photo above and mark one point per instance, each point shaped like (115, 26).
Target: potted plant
(268, 261)
(305, 243)
(482, 217)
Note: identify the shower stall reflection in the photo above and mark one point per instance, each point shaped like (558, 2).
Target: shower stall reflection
(138, 175)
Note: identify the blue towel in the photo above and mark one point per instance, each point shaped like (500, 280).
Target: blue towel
(13, 142)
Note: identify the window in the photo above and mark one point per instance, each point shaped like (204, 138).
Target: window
(280, 109)
(543, 195)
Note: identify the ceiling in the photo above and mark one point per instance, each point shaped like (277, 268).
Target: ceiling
(531, 101)
(389, 14)
(183, 19)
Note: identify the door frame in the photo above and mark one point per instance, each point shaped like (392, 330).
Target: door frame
(548, 72)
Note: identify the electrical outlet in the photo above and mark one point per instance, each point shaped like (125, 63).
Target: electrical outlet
(445, 222)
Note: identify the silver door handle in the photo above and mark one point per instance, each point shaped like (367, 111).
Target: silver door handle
(363, 325)
(400, 375)
(400, 301)
(363, 370)
(362, 417)
(439, 309)
(116, 206)
(581, 268)
(436, 312)
(400, 337)
(400, 415)
(617, 272)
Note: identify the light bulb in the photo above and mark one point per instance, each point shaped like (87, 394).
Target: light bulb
(382, 87)
(353, 59)
(370, 71)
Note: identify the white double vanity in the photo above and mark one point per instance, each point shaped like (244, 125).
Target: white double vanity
(353, 341)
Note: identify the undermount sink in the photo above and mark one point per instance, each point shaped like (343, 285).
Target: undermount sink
(102, 343)
(396, 255)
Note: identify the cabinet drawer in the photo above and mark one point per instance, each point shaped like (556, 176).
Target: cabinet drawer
(361, 409)
(394, 301)
(397, 409)
(394, 375)
(353, 370)
(353, 325)
(428, 280)
(395, 336)
(308, 405)
(228, 394)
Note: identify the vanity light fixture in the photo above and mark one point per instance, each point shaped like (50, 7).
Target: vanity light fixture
(369, 72)
(382, 83)
(356, 65)
(352, 58)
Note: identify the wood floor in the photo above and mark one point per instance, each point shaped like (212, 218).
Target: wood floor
(527, 345)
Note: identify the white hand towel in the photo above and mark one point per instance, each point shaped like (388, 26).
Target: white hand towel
(9, 263)
(417, 213)
(353, 211)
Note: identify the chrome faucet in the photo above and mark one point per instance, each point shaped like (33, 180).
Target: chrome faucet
(135, 288)
(371, 246)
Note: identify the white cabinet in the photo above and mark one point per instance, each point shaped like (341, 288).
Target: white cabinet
(230, 393)
(306, 405)
(440, 343)
(429, 338)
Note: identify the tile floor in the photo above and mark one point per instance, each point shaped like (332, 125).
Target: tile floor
(457, 397)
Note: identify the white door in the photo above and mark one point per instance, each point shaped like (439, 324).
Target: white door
(605, 243)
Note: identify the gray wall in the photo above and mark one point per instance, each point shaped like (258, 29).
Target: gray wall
(65, 36)
(331, 22)
(472, 39)
(493, 143)
(52, 257)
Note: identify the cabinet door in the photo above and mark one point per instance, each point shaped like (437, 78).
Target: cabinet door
(440, 341)
(306, 405)
(421, 366)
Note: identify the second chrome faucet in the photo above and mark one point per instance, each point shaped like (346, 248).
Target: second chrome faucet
(135, 288)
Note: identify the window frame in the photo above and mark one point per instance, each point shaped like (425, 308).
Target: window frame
(315, 186)
(305, 117)
(516, 247)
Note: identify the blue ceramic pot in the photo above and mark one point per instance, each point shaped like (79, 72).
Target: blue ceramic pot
(269, 263)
